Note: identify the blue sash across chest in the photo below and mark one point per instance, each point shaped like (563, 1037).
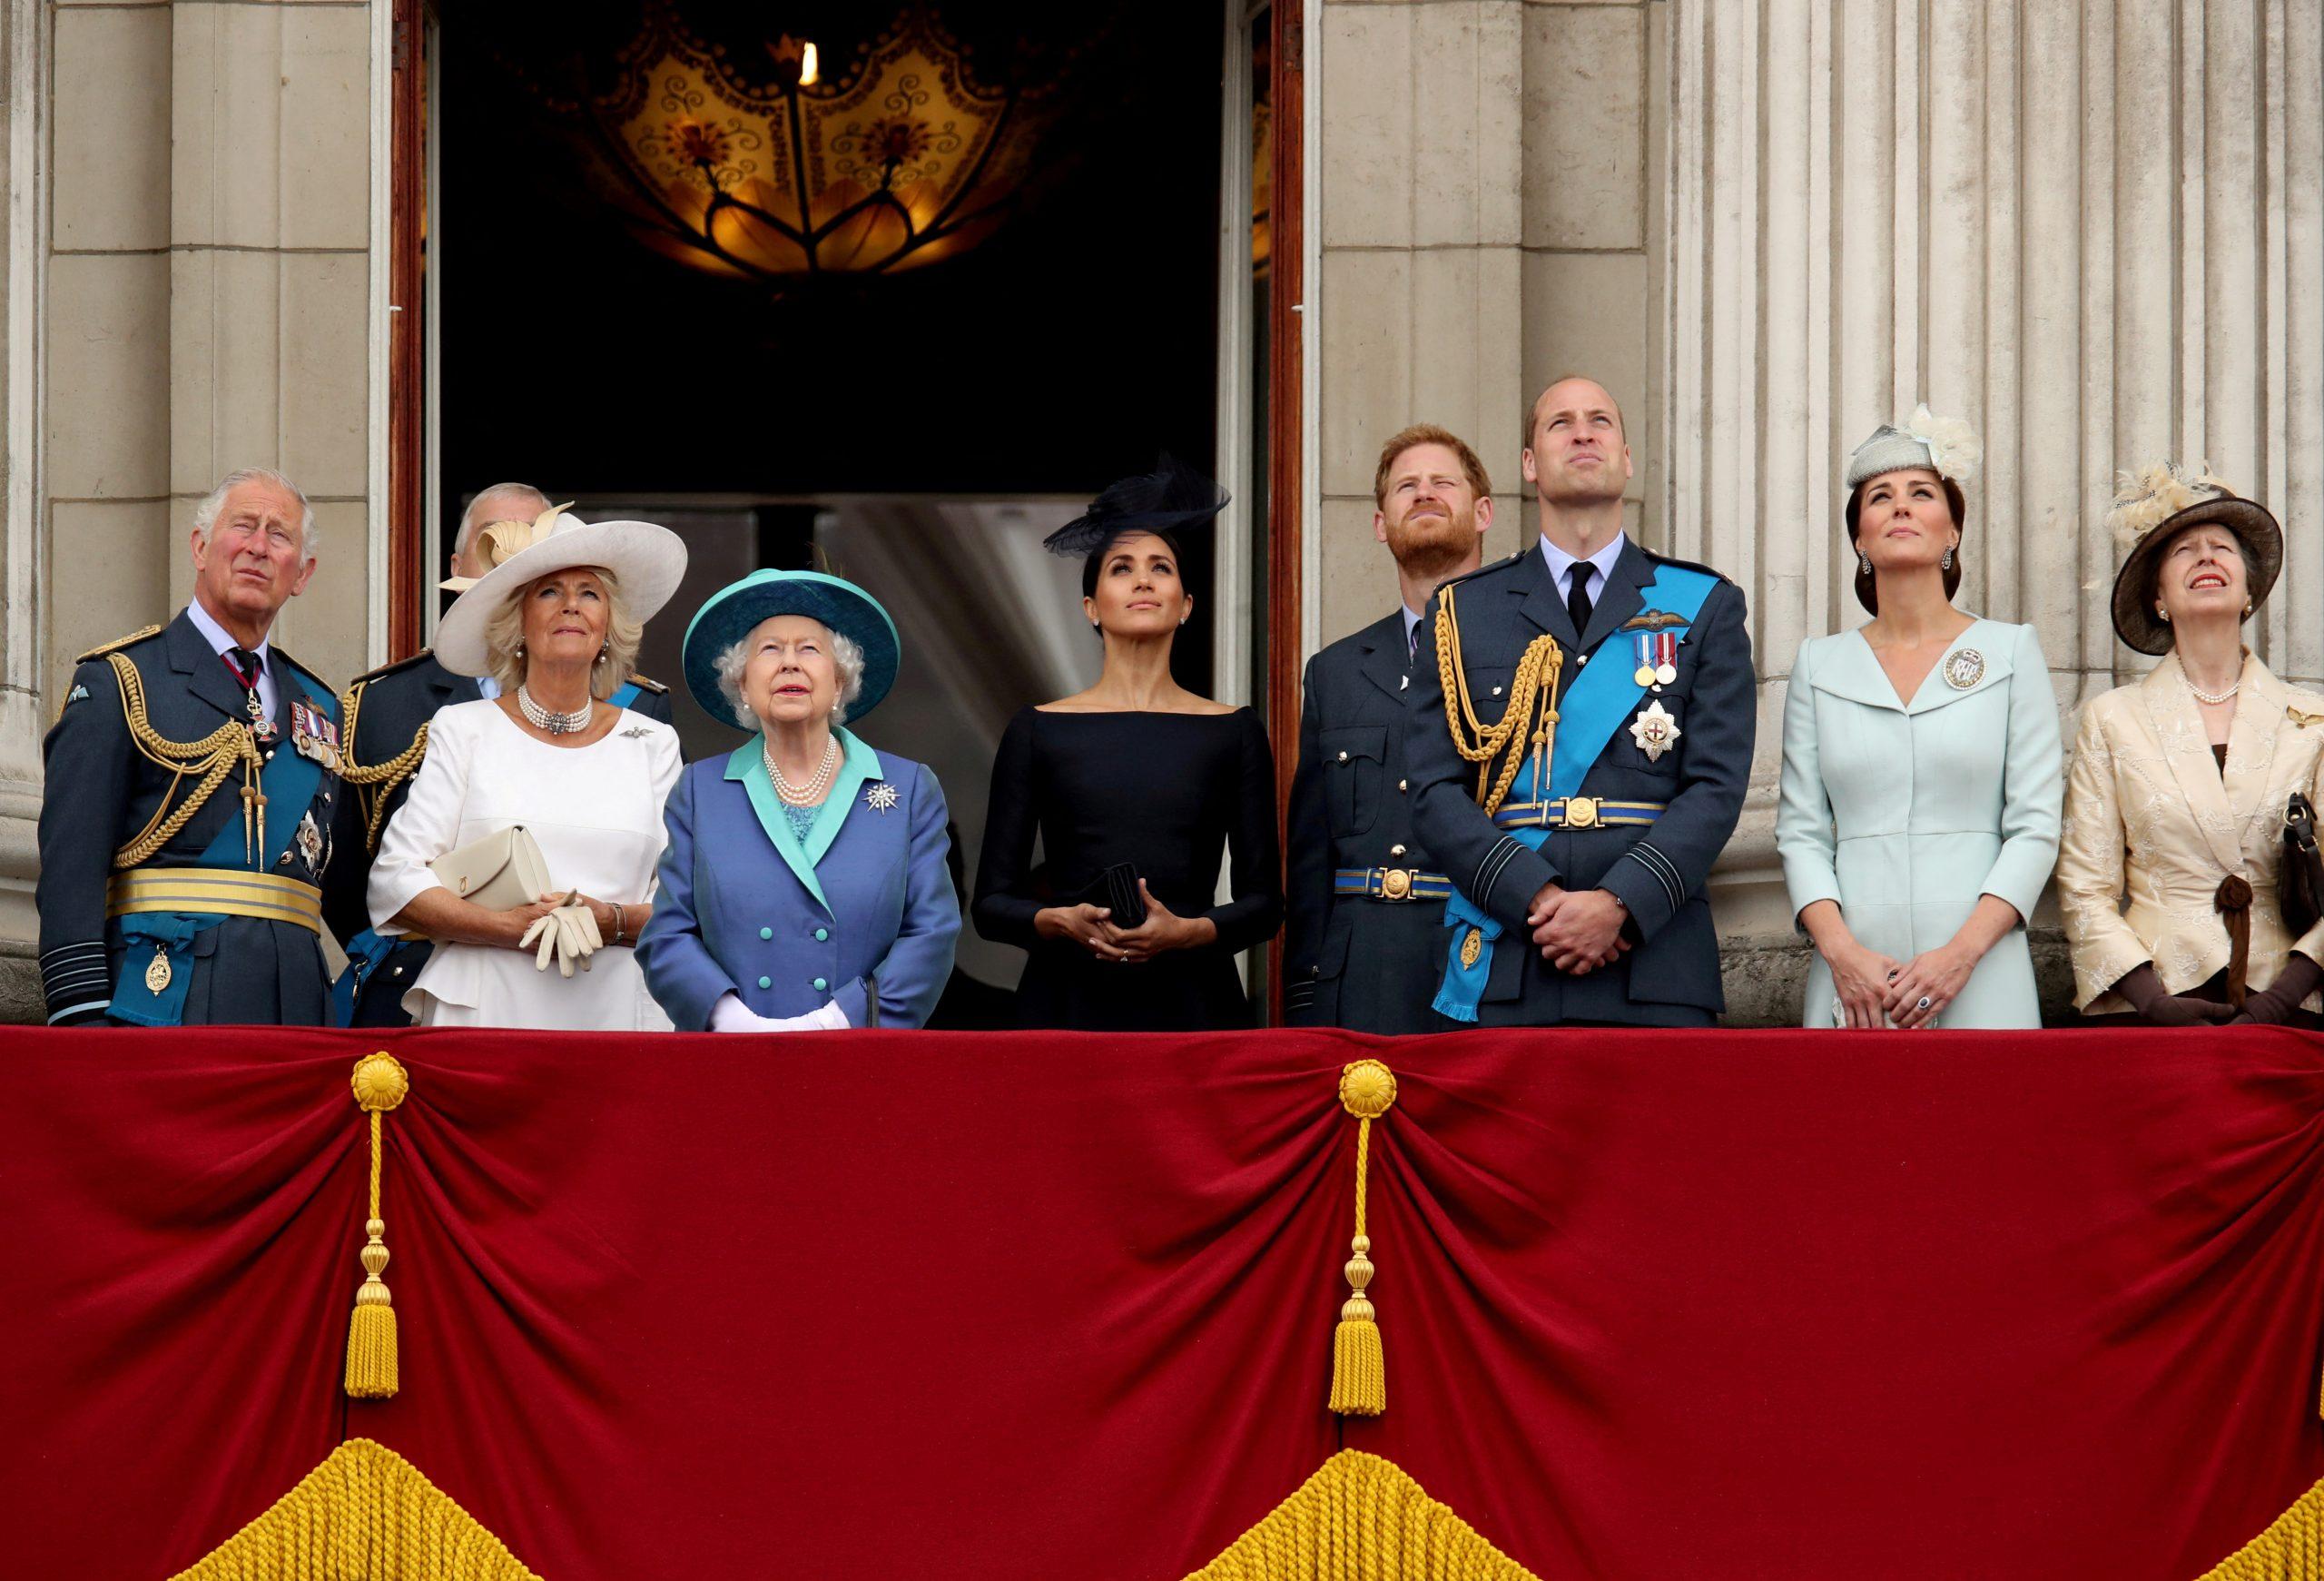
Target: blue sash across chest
(1591, 709)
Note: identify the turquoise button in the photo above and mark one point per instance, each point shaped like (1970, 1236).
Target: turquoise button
(822, 934)
(766, 982)
(766, 932)
(820, 986)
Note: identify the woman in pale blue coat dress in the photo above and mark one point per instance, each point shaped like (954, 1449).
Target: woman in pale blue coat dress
(1922, 771)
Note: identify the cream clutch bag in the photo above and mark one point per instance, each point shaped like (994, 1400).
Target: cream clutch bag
(500, 872)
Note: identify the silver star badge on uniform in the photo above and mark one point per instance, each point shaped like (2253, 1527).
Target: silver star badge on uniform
(879, 796)
(309, 838)
(1656, 732)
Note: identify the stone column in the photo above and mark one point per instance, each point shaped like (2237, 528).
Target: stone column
(2090, 227)
(191, 211)
(269, 345)
(1422, 224)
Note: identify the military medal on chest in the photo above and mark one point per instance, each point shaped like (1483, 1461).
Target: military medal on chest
(1658, 658)
(1655, 731)
(314, 735)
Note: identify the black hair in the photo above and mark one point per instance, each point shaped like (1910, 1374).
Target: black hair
(1096, 558)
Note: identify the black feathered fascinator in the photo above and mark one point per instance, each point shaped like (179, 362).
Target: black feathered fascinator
(1172, 497)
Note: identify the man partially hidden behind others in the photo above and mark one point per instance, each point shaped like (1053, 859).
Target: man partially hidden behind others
(1365, 945)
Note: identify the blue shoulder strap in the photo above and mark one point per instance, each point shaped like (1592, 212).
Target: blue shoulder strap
(1591, 709)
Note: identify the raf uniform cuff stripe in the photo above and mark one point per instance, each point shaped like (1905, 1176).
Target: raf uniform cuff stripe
(1495, 863)
(1664, 870)
(70, 972)
(88, 1007)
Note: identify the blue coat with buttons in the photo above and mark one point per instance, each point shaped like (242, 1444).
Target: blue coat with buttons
(747, 908)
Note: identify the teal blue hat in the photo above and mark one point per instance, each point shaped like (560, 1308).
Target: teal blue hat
(735, 610)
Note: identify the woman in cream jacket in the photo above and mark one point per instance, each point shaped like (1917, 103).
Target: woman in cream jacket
(2179, 780)
(1921, 773)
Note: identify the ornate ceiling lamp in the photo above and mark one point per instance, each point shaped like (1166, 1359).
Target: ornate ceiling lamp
(771, 169)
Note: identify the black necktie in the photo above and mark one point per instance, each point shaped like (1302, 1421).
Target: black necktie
(1412, 642)
(1577, 599)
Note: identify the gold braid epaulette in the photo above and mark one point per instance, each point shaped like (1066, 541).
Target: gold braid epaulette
(374, 781)
(212, 757)
(1532, 696)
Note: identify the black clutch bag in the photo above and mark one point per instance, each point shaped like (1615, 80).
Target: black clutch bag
(2300, 887)
(1117, 891)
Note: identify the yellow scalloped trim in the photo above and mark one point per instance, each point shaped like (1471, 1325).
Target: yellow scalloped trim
(1361, 1519)
(2292, 1549)
(366, 1511)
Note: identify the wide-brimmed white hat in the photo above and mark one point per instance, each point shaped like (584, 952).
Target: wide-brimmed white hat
(648, 559)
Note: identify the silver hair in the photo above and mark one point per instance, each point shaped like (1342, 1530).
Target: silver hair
(205, 515)
(470, 520)
(847, 659)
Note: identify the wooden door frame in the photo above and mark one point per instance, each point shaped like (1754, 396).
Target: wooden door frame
(407, 505)
(1287, 449)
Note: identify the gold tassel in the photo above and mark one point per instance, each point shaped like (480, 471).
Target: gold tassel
(1359, 1365)
(380, 1085)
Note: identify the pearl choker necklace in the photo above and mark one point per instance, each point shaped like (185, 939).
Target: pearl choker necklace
(549, 719)
(2203, 696)
(809, 794)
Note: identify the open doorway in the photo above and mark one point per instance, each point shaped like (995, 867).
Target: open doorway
(909, 404)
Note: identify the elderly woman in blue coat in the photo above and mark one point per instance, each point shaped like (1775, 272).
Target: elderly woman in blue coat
(805, 886)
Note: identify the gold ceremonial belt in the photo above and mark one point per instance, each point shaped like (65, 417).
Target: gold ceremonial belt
(1392, 884)
(201, 889)
(1577, 813)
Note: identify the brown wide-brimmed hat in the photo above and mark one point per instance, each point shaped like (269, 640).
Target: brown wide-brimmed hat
(2155, 505)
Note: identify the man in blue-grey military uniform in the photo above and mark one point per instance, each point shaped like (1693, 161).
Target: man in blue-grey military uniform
(1591, 760)
(1365, 945)
(192, 804)
(387, 711)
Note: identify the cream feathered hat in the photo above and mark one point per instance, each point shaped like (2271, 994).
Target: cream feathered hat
(649, 560)
(2156, 504)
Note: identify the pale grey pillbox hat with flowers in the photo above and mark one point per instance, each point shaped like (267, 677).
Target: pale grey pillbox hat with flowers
(1945, 445)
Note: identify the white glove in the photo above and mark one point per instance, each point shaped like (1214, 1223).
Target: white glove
(567, 934)
(730, 1015)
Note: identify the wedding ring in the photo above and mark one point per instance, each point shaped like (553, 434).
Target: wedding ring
(1923, 1003)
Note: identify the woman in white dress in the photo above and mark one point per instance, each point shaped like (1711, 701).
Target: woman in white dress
(557, 620)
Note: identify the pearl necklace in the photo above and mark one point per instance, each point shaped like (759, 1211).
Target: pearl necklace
(2203, 696)
(811, 792)
(549, 719)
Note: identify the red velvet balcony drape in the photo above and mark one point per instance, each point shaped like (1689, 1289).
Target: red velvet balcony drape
(1735, 1304)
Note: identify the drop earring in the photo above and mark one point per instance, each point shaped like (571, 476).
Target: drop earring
(1945, 564)
(1863, 565)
